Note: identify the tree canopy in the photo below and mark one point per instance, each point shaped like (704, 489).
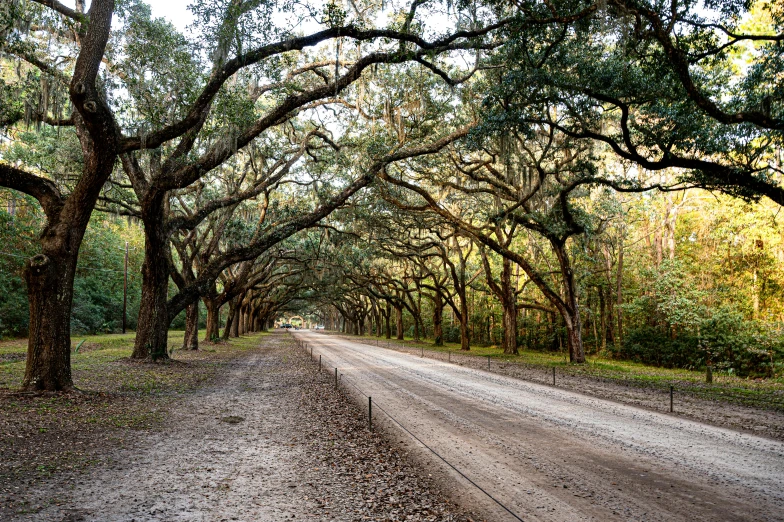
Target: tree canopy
(554, 175)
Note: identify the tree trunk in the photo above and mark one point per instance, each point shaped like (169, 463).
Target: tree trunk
(603, 319)
(243, 323)
(399, 321)
(575, 339)
(510, 330)
(230, 319)
(509, 304)
(387, 321)
(465, 342)
(50, 274)
(619, 292)
(438, 319)
(571, 311)
(213, 320)
(50, 279)
(235, 322)
(153, 325)
(191, 339)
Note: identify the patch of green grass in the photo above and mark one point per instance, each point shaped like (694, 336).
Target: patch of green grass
(102, 363)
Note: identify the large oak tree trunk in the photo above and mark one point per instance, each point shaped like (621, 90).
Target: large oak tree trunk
(50, 291)
(465, 336)
(240, 320)
(510, 330)
(571, 312)
(438, 319)
(229, 320)
(235, 320)
(387, 320)
(153, 325)
(399, 321)
(509, 304)
(50, 274)
(191, 339)
(213, 320)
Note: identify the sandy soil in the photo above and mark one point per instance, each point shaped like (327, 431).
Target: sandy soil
(553, 454)
(762, 421)
(272, 440)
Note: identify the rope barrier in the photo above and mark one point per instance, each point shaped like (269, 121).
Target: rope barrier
(663, 387)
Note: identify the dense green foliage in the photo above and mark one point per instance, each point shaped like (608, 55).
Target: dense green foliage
(98, 295)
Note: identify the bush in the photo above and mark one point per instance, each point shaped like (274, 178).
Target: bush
(451, 334)
(731, 343)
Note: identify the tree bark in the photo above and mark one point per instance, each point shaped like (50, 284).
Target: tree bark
(509, 305)
(213, 320)
(191, 338)
(619, 292)
(465, 336)
(153, 324)
(242, 326)
(50, 274)
(230, 318)
(387, 320)
(235, 320)
(571, 311)
(399, 321)
(438, 319)
(50, 292)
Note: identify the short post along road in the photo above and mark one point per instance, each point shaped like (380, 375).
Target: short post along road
(551, 454)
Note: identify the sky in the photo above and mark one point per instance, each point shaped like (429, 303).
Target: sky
(175, 11)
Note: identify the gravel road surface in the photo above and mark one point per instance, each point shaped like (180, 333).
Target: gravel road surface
(550, 454)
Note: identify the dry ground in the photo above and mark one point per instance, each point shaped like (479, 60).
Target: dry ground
(251, 432)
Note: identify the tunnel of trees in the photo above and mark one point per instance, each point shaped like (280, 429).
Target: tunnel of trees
(589, 177)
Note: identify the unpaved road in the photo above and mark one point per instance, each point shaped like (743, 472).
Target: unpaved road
(550, 454)
(269, 440)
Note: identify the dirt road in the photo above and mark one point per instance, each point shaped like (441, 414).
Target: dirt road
(550, 454)
(271, 440)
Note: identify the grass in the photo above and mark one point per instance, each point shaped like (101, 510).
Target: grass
(103, 360)
(768, 393)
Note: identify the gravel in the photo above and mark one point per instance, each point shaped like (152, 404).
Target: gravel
(553, 454)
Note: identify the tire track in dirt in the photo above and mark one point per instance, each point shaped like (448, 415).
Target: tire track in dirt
(551, 454)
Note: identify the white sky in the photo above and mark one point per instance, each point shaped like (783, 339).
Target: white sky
(175, 11)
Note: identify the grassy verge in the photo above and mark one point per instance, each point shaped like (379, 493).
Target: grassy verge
(765, 393)
(52, 436)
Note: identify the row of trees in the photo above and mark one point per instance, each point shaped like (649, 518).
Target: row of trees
(182, 141)
(511, 161)
(677, 280)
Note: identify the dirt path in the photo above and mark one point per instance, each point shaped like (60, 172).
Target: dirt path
(272, 441)
(755, 420)
(550, 454)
